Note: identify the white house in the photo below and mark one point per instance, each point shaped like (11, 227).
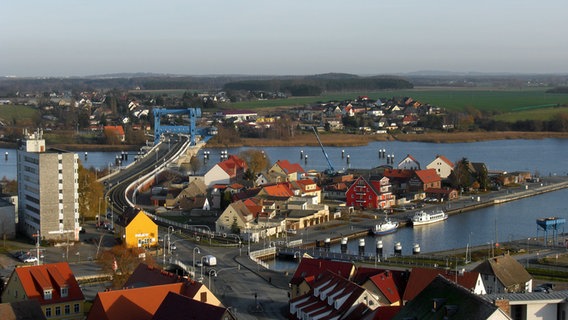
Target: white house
(409, 163)
(442, 165)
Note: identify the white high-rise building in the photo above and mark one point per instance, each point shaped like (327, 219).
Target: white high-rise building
(48, 183)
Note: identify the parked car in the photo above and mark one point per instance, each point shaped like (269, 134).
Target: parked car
(30, 259)
(173, 246)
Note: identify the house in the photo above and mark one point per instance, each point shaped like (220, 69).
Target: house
(442, 165)
(503, 274)
(292, 171)
(409, 163)
(137, 230)
(301, 218)
(116, 132)
(236, 216)
(372, 193)
(7, 219)
(423, 180)
(143, 302)
(333, 297)
(22, 310)
(420, 278)
(309, 270)
(226, 172)
(443, 299)
(307, 188)
(383, 287)
(531, 305)
(53, 285)
(442, 194)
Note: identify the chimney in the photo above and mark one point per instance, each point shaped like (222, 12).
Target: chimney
(503, 304)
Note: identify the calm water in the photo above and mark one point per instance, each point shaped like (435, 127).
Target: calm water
(513, 220)
(99, 160)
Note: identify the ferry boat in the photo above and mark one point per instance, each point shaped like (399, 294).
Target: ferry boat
(421, 217)
(386, 227)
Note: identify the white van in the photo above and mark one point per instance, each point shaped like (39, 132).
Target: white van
(209, 260)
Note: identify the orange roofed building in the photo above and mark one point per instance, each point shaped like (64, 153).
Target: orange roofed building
(53, 285)
(116, 131)
(226, 172)
(142, 303)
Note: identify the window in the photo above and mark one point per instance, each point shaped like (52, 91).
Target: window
(47, 294)
(67, 309)
(48, 312)
(57, 311)
(203, 296)
(76, 308)
(64, 292)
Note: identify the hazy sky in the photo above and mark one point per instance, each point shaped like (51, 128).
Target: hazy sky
(76, 37)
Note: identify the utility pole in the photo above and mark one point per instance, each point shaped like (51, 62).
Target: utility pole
(37, 235)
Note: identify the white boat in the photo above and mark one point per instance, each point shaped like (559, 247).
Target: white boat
(386, 227)
(422, 217)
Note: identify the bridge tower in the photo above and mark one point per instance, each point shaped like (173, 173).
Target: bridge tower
(160, 128)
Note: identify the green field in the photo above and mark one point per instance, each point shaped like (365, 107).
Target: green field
(18, 115)
(451, 99)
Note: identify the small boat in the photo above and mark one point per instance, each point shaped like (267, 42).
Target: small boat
(388, 226)
(422, 217)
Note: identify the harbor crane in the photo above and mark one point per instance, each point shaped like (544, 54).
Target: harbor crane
(330, 170)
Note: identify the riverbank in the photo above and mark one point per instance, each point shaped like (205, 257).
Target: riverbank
(346, 140)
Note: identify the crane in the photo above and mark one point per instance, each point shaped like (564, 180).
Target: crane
(330, 170)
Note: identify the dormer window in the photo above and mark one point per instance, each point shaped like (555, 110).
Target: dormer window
(64, 292)
(47, 294)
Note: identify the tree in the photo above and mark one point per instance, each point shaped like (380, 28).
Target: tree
(461, 176)
(91, 194)
(257, 161)
(195, 164)
(121, 262)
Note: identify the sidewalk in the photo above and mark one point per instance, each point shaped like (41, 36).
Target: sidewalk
(277, 279)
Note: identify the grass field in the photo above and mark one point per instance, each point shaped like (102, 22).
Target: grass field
(449, 98)
(18, 114)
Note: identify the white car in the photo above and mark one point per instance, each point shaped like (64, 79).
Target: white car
(30, 259)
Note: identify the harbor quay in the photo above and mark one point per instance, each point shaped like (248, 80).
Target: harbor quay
(359, 223)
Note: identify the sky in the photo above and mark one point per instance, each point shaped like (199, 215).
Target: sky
(293, 37)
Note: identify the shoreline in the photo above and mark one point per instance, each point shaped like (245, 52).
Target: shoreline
(333, 140)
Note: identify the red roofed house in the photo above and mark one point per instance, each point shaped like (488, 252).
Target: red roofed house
(179, 307)
(420, 278)
(307, 188)
(226, 172)
(143, 302)
(442, 165)
(372, 194)
(116, 132)
(293, 171)
(53, 285)
(383, 288)
(309, 270)
(333, 297)
(424, 179)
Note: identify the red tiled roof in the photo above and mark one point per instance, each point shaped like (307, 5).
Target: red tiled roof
(233, 165)
(427, 175)
(278, 190)
(446, 160)
(288, 167)
(420, 278)
(398, 173)
(385, 282)
(54, 276)
(313, 267)
(137, 303)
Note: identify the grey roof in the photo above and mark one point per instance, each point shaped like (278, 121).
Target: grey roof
(552, 296)
(508, 270)
(445, 298)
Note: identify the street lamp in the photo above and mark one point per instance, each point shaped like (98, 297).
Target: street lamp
(212, 272)
(193, 261)
(201, 277)
(169, 239)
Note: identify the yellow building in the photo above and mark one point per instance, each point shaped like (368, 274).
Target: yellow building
(137, 230)
(53, 285)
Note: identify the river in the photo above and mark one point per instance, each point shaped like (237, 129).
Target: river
(513, 220)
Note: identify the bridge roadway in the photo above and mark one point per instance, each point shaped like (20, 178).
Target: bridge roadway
(119, 184)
